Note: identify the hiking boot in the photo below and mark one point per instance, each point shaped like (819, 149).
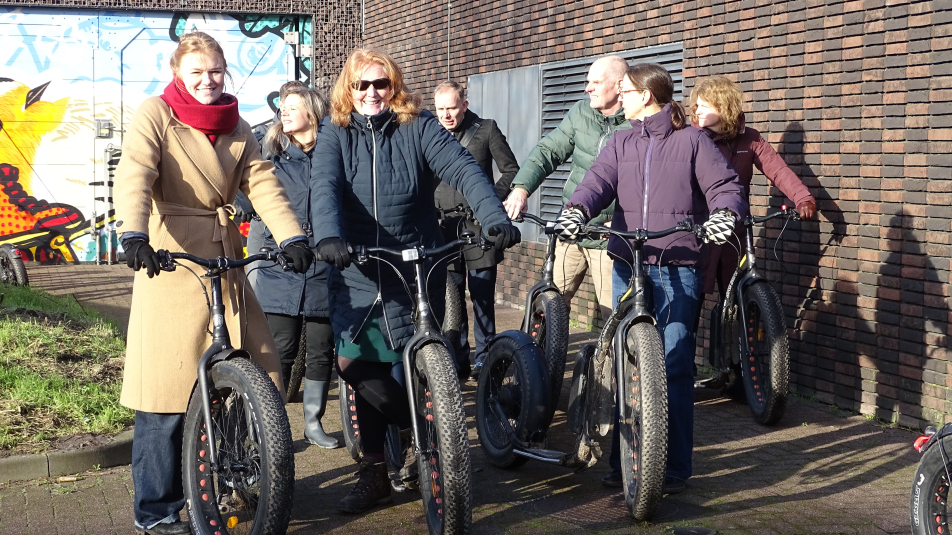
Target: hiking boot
(613, 480)
(373, 487)
(673, 485)
(410, 473)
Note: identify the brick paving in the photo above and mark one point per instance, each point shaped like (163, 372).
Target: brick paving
(818, 471)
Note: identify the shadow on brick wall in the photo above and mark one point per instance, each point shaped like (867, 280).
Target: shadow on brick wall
(904, 380)
(809, 285)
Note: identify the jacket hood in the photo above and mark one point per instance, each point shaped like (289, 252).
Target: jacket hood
(379, 121)
(658, 125)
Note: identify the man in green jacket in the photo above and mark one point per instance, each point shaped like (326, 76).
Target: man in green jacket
(581, 135)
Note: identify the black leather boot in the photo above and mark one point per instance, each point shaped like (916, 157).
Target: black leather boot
(373, 487)
(315, 402)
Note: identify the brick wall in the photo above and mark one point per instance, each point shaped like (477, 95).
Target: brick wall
(856, 95)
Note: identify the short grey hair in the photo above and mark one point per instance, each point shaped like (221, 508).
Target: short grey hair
(452, 86)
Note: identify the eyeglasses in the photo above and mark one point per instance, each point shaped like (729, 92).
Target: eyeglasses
(622, 91)
(379, 83)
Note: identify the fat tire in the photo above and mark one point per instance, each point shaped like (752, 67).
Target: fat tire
(12, 269)
(445, 465)
(453, 316)
(730, 346)
(765, 348)
(644, 421)
(526, 402)
(239, 389)
(348, 419)
(549, 329)
(297, 370)
(928, 501)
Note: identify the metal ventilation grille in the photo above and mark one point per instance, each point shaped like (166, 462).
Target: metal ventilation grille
(563, 84)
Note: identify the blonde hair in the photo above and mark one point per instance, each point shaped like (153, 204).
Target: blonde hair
(201, 43)
(276, 140)
(403, 102)
(725, 97)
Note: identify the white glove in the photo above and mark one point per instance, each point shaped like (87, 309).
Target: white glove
(570, 222)
(719, 227)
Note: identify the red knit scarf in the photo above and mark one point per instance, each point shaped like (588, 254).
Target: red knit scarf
(212, 120)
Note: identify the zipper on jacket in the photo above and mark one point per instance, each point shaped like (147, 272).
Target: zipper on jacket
(383, 308)
(644, 209)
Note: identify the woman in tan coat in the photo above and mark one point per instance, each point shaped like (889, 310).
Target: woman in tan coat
(184, 158)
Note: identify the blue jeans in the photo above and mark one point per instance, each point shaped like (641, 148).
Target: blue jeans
(679, 296)
(157, 468)
(482, 292)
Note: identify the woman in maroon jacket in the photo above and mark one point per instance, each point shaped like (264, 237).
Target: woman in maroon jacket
(661, 173)
(717, 109)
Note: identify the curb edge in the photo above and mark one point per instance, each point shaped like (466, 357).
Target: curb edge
(40, 465)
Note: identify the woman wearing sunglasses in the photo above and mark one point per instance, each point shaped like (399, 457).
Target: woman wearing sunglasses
(382, 157)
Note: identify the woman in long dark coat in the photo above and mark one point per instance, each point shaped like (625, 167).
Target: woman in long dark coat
(379, 155)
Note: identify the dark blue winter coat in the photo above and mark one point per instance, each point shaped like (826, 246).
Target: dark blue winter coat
(287, 292)
(374, 186)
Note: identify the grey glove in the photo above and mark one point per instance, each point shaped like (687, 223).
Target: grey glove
(719, 227)
(570, 223)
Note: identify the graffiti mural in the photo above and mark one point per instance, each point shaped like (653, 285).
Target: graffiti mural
(70, 81)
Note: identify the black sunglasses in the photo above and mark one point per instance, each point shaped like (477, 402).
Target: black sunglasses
(379, 83)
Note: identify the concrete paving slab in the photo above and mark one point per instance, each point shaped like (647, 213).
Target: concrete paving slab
(817, 471)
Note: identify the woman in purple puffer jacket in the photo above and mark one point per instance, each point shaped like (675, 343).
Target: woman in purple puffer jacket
(661, 172)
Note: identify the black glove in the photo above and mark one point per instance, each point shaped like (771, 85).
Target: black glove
(140, 254)
(301, 255)
(504, 236)
(334, 251)
(719, 227)
(570, 221)
(242, 216)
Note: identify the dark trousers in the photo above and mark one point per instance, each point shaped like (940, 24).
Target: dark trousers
(380, 400)
(157, 467)
(482, 292)
(320, 345)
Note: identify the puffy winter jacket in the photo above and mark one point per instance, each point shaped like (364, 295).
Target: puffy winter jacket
(660, 176)
(287, 292)
(745, 151)
(581, 135)
(375, 186)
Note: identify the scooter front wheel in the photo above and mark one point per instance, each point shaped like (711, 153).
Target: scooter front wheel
(512, 381)
(644, 421)
(251, 489)
(929, 501)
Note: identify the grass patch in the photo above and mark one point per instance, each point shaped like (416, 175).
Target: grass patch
(60, 371)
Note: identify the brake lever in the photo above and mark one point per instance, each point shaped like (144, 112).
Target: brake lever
(284, 261)
(166, 263)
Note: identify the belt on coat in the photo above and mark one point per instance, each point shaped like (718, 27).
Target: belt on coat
(220, 232)
(223, 213)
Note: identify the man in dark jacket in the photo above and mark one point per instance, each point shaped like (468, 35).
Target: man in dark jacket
(483, 139)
